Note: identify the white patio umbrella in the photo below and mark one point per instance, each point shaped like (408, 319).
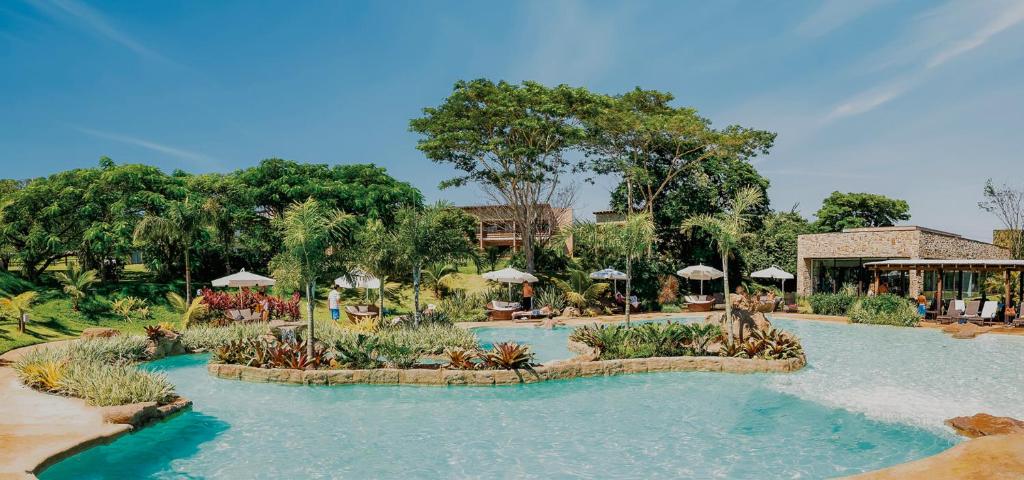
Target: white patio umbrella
(358, 278)
(609, 274)
(243, 279)
(700, 272)
(509, 275)
(774, 273)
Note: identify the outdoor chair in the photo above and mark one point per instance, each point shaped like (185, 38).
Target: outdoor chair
(497, 310)
(533, 315)
(699, 303)
(357, 313)
(953, 312)
(971, 313)
(988, 313)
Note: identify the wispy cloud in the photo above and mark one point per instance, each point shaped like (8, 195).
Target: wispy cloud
(179, 153)
(1004, 20)
(939, 35)
(833, 14)
(88, 18)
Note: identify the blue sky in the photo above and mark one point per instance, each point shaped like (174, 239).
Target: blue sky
(918, 100)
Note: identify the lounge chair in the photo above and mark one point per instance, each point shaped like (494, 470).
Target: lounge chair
(971, 312)
(719, 299)
(699, 303)
(954, 311)
(497, 310)
(357, 313)
(244, 315)
(532, 315)
(988, 313)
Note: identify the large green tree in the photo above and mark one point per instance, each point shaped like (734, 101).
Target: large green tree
(774, 243)
(649, 144)
(175, 231)
(858, 210)
(436, 233)
(314, 240)
(509, 140)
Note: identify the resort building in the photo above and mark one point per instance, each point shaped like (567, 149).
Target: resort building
(609, 216)
(829, 262)
(497, 228)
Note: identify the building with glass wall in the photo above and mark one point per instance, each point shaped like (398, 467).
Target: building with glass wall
(830, 262)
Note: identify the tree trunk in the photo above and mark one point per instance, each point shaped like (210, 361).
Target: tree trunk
(416, 294)
(728, 301)
(381, 313)
(629, 279)
(310, 338)
(188, 279)
(528, 248)
(22, 320)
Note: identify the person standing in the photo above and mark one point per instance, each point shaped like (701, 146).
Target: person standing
(334, 303)
(527, 296)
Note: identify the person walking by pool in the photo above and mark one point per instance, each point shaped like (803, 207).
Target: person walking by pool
(922, 305)
(527, 296)
(334, 303)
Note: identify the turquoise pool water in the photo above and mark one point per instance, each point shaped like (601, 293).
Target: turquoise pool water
(871, 397)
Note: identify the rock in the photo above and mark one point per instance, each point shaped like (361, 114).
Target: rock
(167, 345)
(967, 330)
(134, 414)
(99, 332)
(283, 330)
(570, 312)
(983, 424)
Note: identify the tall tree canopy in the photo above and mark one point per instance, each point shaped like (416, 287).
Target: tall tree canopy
(857, 210)
(775, 242)
(510, 140)
(649, 144)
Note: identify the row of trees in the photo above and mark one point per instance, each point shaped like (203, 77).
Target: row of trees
(205, 225)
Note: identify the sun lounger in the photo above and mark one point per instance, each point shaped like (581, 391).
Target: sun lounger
(497, 310)
(357, 313)
(532, 315)
(971, 312)
(988, 313)
(953, 312)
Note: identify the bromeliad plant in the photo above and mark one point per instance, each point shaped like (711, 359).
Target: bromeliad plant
(669, 339)
(508, 356)
(770, 344)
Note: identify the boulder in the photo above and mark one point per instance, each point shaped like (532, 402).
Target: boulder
(99, 332)
(967, 330)
(139, 414)
(570, 312)
(983, 424)
(167, 345)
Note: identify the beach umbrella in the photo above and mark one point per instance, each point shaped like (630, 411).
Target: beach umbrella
(358, 278)
(509, 275)
(700, 272)
(609, 274)
(774, 273)
(243, 279)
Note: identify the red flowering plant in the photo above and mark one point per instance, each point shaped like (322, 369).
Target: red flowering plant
(222, 302)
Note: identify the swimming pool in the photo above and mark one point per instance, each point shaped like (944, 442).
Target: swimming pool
(870, 397)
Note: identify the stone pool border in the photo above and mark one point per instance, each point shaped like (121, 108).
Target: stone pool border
(559, 370)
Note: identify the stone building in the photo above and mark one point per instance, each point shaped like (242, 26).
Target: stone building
(828, 262)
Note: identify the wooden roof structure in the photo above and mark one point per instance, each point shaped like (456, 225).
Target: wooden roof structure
(963, 265)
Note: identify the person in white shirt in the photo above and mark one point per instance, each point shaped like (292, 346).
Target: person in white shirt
(334, 302)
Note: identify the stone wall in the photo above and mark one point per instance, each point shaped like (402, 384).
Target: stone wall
(553, 371)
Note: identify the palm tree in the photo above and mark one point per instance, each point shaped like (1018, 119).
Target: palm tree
(313, 240)
(437, 275)
(77, 283)
(630, 241)
(178, 227)
(20, 306)
(579, 289)
(728, 229)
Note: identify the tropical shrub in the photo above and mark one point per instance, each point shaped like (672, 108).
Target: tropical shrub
(206, 338)
(461, 306)
(277, 354)
(430, 338)
(100, 371)
(885, 309)
(399, 354)
(77, 283)
(219, 303)
(461, 358)
(508, 356)
(580, 290)
(131, 308)
(670, 339)
(668, 291)
(831, 303)
(360, 351)
(771, 344)
(549, 297)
